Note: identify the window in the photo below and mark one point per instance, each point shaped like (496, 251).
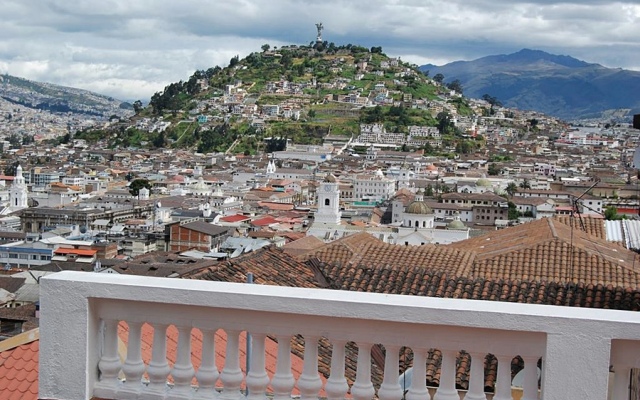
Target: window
(327, 202)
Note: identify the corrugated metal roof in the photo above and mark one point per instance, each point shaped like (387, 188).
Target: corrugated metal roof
(631, 230)
(614, 231)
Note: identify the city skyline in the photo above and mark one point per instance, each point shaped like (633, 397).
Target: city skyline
(131, 50)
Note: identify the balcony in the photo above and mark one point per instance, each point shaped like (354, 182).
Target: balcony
(80, 356)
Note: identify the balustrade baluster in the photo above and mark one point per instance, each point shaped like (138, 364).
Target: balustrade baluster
(257, 378)
(503, 384)
(309, 382)
(283, 381)
(133, 367)
(207, 374)
(476, 380)
(418, 389)
(109, 364)
(362, 388)
(231, 375)
(182, 371)
(390, 388)
(621, 382)
(337, 385)
(530, 383)
(447, 389)
(158, 368)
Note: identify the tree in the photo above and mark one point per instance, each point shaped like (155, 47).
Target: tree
(455, 85)
(137, 106)
(513, 211)
(493, 169)
(234, 61)
(511, 189)
(137, 184)
(445, 123)
(312, 114)
(428, 191)
(265, 47)
(611, 214)
(438, 78)
(491, 100)
(525, 184)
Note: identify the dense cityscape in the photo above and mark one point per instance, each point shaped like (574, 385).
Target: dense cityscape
(325, 168)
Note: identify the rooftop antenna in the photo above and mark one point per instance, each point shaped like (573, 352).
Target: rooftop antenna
(575, 209)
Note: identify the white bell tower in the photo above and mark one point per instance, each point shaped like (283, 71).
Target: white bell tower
(18, 191)
(328, 202)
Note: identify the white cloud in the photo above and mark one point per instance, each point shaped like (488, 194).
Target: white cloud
(130, 49)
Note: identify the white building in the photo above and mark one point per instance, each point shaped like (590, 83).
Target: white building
(375, 187)
(18, 192)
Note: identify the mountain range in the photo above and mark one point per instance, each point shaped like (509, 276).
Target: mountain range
(557, 85)
(59, 99)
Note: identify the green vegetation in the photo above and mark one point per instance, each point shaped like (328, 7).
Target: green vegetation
(330, 84)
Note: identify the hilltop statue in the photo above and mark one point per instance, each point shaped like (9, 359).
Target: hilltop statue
(320, 28)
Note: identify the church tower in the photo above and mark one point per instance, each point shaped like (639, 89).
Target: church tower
(271, 168)
(18, 191)
(328, 202)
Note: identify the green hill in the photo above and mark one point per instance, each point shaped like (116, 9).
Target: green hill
(300, 93)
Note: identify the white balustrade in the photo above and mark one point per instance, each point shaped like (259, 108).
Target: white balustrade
(109, 364)
(158, 368)
(310, 382)
(476, 379)
(577, 346)
(390, 388)
(133, 367)
(362, 388)
(337, 385)
(257, 378)
(530, 384)
(418, 389)
(503, 378)
(283, 381)
(231, 375)
(182, 371)
(447, 389)
(207, 374)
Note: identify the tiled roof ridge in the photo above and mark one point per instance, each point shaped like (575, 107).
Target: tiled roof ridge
(552, 228)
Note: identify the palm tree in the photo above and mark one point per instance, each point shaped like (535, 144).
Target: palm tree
(511, 189)
(525, 184)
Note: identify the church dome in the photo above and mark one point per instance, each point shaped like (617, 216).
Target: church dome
(456, 224)
(418, 207)
(484, 182)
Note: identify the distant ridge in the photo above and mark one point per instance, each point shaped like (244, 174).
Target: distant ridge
(557, 85)
(59, 99)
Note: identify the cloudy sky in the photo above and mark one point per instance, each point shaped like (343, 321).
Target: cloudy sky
(130, 49)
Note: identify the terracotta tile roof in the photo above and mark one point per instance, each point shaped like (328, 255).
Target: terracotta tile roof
(264, 221)
(547, 250)
(270, 266)
(11, 284)
(593, 226)
(364, 249)
(302, 246)
(19, 367)
(235, 218)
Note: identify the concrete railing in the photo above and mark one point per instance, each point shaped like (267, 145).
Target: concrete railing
(80, 358)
